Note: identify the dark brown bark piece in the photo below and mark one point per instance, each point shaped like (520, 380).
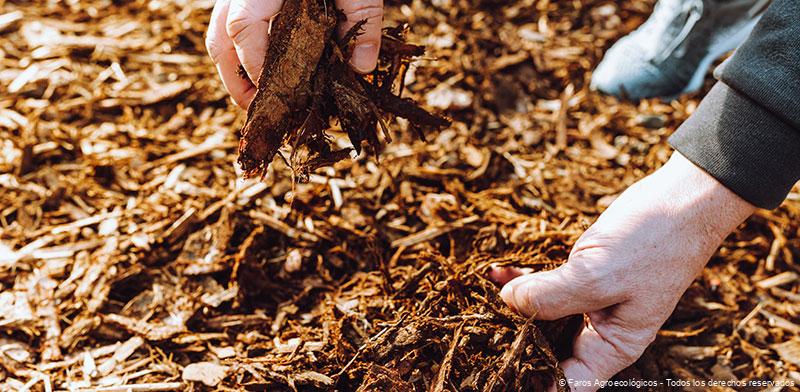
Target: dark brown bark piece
(296, 43)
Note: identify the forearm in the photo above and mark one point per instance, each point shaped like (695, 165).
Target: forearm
(700, 200)
(680, 198)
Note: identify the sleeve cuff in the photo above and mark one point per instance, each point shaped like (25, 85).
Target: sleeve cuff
(742, 145)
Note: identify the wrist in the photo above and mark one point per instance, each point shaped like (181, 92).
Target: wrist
(698, 200)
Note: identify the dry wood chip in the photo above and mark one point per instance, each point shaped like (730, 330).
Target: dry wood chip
(15, 351)
(120, 355)
(8, 19)
(156, 331)
(210, 374)
(145, 387)
(277, 224)
(15, 309)
(316, 379)
(432, 232)
(777, 280)
(789, 350)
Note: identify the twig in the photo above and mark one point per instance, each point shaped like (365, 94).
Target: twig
(278, 225)
(447, 362)
(156, 386)
(432, 232)
(367, 343)
(511, 356)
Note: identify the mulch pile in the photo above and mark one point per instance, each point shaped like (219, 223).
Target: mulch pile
(135, 257)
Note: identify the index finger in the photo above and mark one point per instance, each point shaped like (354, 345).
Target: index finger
(223, 54)
(248, 26)
(365, 54)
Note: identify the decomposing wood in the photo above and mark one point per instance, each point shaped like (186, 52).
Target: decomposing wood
(447, 361)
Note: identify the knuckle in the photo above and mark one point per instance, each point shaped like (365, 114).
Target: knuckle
(630, 352)
(629, 345)
(364, 9)
(624, 352)
(593, 268)
(585, 245)
(241, 17)
(236, 27)
(213, 48)
(589, 275)
(525, 301)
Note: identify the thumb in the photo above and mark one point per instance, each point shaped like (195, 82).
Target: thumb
(602, 350)
(365, 54)
(248, 26)
(553, 294)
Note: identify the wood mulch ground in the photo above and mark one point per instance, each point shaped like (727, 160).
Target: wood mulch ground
(134, 257)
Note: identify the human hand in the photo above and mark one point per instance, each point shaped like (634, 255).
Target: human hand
(628, 270)
(237, 34)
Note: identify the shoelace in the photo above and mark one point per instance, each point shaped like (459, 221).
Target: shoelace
(693, 11)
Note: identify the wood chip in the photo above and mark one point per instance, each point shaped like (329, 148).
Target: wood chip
(208, 373)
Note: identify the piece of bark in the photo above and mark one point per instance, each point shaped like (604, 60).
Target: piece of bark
(296, 43)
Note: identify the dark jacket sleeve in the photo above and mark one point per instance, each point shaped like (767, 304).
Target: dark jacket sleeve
(746, 131)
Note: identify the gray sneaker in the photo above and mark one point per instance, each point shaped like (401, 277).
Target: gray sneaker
(670, 53)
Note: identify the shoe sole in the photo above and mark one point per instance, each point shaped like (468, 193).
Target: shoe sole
(716, 52)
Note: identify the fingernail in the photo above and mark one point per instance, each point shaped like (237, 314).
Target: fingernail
(364, 57)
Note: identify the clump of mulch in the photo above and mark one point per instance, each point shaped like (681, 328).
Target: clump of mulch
(133, 256)
(306, 82)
